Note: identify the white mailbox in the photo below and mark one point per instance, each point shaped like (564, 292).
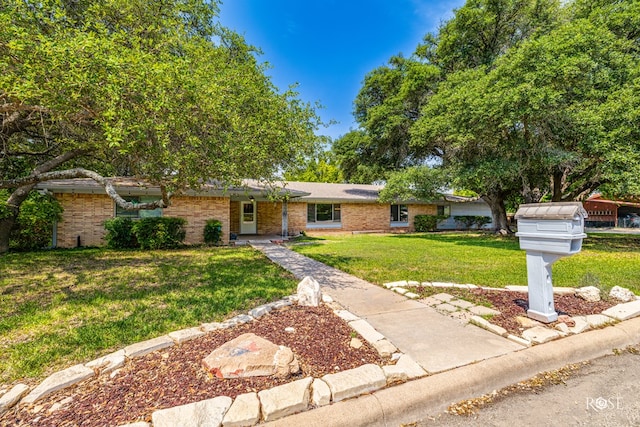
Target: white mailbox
(548, 231)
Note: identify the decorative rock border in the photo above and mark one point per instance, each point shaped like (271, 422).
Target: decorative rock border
(536, 333)
(250, 408)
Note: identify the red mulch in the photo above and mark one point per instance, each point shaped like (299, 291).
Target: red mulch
(511, 305)
(174, 376)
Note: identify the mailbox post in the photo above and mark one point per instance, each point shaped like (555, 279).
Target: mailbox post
(548, 231)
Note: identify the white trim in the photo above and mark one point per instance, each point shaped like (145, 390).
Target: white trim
(400, 224)
(317, 225)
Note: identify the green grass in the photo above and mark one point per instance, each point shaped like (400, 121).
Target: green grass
(481, 259)
(58, 308)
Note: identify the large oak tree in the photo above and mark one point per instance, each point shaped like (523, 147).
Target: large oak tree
(155, 89)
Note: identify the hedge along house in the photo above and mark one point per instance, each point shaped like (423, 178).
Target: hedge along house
(255, 209)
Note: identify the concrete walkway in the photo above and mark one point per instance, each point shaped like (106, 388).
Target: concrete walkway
(436, 342)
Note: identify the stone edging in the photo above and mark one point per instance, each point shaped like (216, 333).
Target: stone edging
(536, 333)
(250, 408)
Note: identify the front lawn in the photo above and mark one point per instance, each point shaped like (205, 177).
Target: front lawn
(63, 307)
(482, 259)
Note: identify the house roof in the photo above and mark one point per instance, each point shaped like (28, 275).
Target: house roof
(598, 198)
(134, 187)
(307, 191)
(320, 191)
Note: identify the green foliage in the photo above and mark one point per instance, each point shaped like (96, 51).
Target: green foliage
(120, 233)
(424, 223)
(34, 227)
(414, 183)
(213, 232)
(469, 221)
(159, 232)
(153, 89)
(319, 168)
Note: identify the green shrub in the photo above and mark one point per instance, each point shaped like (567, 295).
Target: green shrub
(120, 233)
(34, 226)
(424, 223)
(159, 232)
(213, 232)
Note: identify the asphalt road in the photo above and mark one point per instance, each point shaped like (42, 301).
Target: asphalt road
(604, 393)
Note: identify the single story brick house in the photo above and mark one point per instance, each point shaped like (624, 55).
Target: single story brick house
(249, 210)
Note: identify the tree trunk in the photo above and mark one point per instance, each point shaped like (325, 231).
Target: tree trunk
(498, 212)
(6, 224)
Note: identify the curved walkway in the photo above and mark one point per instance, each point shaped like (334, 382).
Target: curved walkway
(436, 342)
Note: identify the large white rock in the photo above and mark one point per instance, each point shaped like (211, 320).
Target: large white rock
(107, 363)
(410, 366)
(250, 356)
(145, 347)
(286, 399)
(540, 334)
(309, 293)
(624, 311)
(589, 293)
(384, 348)
(366, 330)
(206, 413)
(11, 397)
(395, 374)
(354, 382)
(244, 411)
(58, 381)
(622, 294)
(320, 393)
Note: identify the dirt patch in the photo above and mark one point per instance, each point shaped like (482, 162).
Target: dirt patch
(175, 376)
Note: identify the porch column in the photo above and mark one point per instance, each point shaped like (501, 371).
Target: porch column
(285, 218)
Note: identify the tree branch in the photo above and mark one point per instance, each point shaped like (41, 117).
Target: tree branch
(107, 183)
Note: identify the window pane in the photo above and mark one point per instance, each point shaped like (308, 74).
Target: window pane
(311, 212)
(324, 212)
(336, 213)
(122, 213)
(147, 213)
(247, 212)
(394, 213)
(404, 213)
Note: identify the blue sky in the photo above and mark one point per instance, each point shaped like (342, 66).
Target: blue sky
(328, 46)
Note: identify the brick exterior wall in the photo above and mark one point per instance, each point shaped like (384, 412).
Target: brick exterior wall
(197, 210)
(358, 217)
(297, 218)
(84, 216)
(269, 218)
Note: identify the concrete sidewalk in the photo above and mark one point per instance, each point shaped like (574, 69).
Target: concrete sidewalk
(464, 360)
(436, 342)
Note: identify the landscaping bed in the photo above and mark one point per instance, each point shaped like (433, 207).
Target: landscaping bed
(175, 376)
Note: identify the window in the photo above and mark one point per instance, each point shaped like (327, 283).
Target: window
(323, 212)
(399, 213)
(138, 213)
(444, 211)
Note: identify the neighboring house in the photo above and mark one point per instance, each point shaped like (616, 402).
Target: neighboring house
(611, 213)
(248, 210)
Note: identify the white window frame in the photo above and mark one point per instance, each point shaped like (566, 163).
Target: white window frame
(399, 221)
(334, 222)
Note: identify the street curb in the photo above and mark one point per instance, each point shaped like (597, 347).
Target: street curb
(431, 395)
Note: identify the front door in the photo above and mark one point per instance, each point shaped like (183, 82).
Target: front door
(248, 223)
